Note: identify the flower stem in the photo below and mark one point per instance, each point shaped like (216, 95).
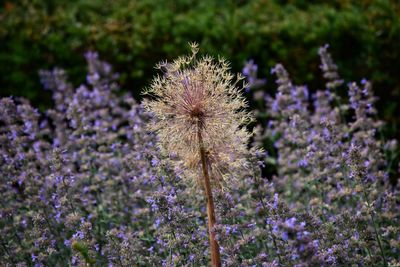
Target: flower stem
(261, 200)
(215, 255)
(375, 228)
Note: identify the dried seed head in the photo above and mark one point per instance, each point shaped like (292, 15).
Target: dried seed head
(195, 93)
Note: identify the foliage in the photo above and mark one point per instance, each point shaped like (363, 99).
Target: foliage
(134, 35)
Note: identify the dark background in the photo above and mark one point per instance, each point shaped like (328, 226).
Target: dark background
(364, 38)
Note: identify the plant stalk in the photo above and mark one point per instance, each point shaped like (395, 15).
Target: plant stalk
(215, 255)
(375, 228)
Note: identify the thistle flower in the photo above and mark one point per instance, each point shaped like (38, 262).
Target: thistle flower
(200, 95)
(199, 117)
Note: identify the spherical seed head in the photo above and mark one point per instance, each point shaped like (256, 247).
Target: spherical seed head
(200, 94)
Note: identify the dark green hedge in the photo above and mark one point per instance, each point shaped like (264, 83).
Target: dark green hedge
(135, 34)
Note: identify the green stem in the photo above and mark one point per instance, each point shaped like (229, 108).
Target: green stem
(259, 195)
(375, 228)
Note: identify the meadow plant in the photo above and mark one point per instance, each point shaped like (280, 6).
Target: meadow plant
(199, 118)
(331, 166)
(75, 179)
(86, 183)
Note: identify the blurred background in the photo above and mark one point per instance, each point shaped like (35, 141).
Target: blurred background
(133, 35)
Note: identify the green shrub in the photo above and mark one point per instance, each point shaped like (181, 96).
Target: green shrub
(134, 35)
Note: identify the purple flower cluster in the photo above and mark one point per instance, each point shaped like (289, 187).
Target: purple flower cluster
(84, 183)
(75, 179)
(331, 172)
(250, 70)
